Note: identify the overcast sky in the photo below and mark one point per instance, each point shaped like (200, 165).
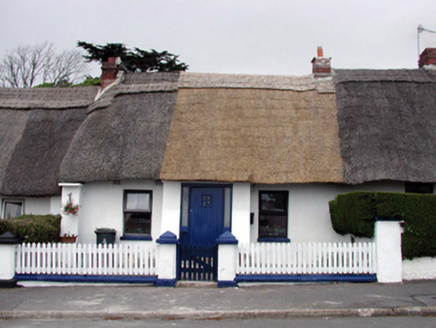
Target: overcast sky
(233, 36)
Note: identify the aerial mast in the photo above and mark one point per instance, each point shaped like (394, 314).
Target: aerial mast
(420, 30)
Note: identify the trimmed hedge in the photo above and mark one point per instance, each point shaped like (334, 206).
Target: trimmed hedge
(354, 213)
(34, 228)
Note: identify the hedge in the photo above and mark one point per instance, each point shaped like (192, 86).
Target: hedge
(354, 213)
(34, 228)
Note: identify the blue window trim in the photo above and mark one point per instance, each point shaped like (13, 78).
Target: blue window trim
(273, 240)
(128, 237)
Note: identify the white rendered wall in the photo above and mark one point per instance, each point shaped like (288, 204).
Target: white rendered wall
(102, 207)
(70, 222)
(388, 245)
(55, 205)
(171, 207)
(38, 205)
(241, 212)
(308, 211)
(420, 268)
(7, 261)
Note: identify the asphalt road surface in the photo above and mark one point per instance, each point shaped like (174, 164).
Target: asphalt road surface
(398, 322)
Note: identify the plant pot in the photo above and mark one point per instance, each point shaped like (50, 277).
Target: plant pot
(68, 240)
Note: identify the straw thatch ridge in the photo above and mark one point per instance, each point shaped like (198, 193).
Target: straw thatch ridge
(36, 128)
(125, 138)
(268, 82)
(387, 125)
(47, 98)
(253, 135)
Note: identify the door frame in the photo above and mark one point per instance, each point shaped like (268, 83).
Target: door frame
(184, 229)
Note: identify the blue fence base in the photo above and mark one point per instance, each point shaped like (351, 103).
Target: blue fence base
(10, 283)
(226, 283)
(306, 278)
(165, 283)
(87, 278)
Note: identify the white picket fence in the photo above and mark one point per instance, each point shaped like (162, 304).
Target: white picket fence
(307, 258)
(86, 259)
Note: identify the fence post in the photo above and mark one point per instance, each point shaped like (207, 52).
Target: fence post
(227, 257)
(8, 243)
(388, 246)
(166, 260)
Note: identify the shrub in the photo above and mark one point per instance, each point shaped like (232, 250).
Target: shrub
(355, 213)
(34, 228)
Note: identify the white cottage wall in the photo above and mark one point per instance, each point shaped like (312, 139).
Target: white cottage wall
(171, 207)
(37, 205)
(102, 207)
(308, 208)
(241, 212)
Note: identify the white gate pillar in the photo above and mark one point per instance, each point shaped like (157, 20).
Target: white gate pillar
(8, 243)
(389, 255)
(167, 260)
(227, 257)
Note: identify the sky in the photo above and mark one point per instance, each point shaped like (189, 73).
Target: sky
(268, 37)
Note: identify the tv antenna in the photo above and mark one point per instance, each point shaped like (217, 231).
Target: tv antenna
(420, 30)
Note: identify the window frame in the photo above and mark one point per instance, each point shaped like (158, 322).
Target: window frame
(419, 187)
(262, 212)
(11, 200)
(127, 211)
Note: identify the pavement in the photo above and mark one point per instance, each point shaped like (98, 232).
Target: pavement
(204, 301)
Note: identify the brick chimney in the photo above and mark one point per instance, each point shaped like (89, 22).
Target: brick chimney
(321, 65)
(109, 71)
(427, 57)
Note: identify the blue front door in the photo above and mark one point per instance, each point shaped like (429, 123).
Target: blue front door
(204, 224)
(206, 215)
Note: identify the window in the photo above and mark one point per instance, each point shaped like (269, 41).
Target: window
(419, 188)
(273, 215)
(12, 208)
(137, 212)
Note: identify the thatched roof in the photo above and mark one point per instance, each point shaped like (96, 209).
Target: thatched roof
(125, 132)
(36, 128)
(387, 124)
(259, 129)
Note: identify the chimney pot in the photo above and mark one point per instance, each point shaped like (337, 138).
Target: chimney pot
(320, 52)
(109, 71)
(427, 57)
(320, 65)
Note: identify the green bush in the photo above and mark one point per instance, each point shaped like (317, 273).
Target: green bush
(34, 228)
(355, 213)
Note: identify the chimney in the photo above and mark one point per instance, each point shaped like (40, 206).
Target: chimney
(320, 65)
(109, 71)
(427, 57)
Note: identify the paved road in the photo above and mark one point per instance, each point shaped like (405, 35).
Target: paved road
(397, 322)
(266, 301)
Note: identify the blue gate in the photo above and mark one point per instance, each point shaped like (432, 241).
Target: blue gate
(205, 223)
(197, 262)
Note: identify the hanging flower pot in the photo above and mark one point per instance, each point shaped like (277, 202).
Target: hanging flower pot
(69, 207)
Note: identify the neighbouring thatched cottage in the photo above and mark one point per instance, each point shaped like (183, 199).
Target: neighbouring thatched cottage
(201, 154)
(36, 129)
